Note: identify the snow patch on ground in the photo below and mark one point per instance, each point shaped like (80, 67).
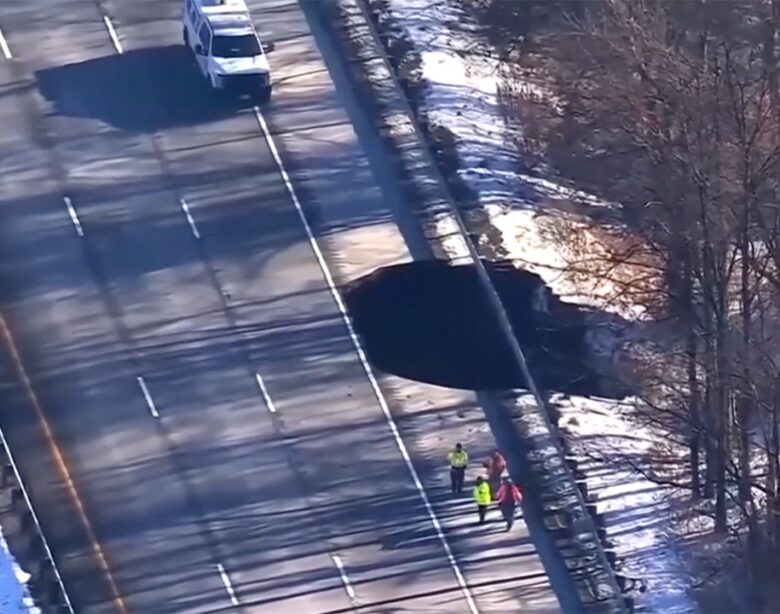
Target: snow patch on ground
(464, 98)
(540, 242)
(14, 595)
(613, 452)
(532, 217)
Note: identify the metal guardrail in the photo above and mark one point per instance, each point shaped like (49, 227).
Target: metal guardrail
(609, 589)
(49, 589)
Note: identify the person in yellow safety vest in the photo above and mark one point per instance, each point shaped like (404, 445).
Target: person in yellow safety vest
(483, 497)
(459, 460)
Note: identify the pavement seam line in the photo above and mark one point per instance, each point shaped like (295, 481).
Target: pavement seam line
(325, 269)
(61, 465)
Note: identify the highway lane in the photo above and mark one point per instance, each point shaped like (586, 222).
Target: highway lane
(24, 163)
(138, 507)
(272, 497)
(262, 289)
(133, 503)
(206, 397)
(326, 406)
(142, 250)
(307, 115)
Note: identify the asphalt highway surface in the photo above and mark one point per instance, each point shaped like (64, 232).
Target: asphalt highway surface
(188, 407)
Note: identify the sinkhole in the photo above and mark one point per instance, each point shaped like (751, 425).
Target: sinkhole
(432, 322)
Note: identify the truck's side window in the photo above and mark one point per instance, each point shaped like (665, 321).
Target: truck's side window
(205, 37)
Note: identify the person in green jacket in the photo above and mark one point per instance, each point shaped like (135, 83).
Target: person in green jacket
(483, 497)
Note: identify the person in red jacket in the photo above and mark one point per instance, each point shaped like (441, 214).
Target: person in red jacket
(508, 498)
(495, 466)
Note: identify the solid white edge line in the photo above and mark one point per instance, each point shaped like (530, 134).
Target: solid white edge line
(147, 397)
(46, 547)
(264, 391)
(366, 366)
(112, 33)
(228, 584)
(73, 216)
(344, 578)
(190, 220)
(4, 47)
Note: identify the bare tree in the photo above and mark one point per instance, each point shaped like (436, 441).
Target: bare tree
(673, 109)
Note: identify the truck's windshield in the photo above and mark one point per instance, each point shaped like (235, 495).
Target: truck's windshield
(244, 46)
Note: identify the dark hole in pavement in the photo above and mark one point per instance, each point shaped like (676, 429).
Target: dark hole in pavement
(431, 322)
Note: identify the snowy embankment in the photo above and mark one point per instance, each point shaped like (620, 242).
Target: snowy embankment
(531, 215)
(14, 595)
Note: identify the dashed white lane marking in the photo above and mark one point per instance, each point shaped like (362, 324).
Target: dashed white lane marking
(74, 217)
(344, 578)
(4, 47)
(228, 584)
(264, 391)
(147, 397)
(112, 33)
(461, 580)
(190, 219)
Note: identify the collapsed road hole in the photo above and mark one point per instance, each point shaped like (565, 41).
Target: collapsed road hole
(432, 322)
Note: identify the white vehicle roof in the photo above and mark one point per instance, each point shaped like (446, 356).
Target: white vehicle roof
(223, 6)
(227, 17)
(231, 24)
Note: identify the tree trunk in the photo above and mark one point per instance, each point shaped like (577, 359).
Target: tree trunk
(745, 396)
(694, 410)
(721, 440)
(694, 439)
(774, 469)
(770, 55)
(709, 433)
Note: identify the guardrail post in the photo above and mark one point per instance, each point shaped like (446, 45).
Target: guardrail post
(35, 549)
(17, 498)
(25, 520)
(6, 474)
(612, 558)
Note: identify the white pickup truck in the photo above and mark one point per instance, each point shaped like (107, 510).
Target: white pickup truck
(226, 46)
